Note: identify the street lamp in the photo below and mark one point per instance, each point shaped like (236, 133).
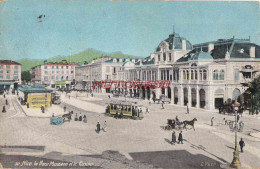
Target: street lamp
(236, 162)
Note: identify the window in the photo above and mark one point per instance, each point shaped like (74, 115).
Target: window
(1, 71)
(170, 57)
(7, 71)
(188, 75)
(8, 67)
(45, 67)
(62, 67)
(57, 67)
(57, 77)
(215, 75)
(45, 77)
(114, 70)
(164, 56)
(67, 77)
(196, 75)
(16, 67)
(15, 77)
(61, 78)
(192, 75)
(1, 66)
(200, 74)
(204, 75)
(159, 58)
(184, 75)
(45, 72)
(52, 67)
(236, 75)
(221, 75)
(71, 71)
(15, 72)
(1, 77)
(67, 67)
(52, 77)
(168, 73)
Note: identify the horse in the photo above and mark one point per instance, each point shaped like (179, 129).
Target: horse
(68, 115)
(191, 123)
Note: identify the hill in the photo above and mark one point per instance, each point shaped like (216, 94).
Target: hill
(87, 55)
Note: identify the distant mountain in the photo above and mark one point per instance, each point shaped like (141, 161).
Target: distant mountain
(87, 55)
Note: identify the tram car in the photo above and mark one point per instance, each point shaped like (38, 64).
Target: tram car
(124, 109)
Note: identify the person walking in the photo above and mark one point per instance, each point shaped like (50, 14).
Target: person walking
(98, 127)
(242, 144)
(162, 106)
(64, 108)
(180, 139)
(105, 126)
(212, 121)
(147, 110)
(188, 111)
(80, 117)
(6, 102)
(4, 110)
(173, 138)
(85, 119)
(238, 118)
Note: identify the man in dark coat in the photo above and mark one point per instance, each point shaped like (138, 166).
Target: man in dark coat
(173, 138)
(188, 111)
(98, 127)
(180, 139)
(4, 110)
(6, 102)
(238, 118)
(242, 144)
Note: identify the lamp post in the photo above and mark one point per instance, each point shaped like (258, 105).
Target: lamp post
(236, 162)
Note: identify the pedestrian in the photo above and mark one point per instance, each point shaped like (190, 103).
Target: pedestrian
(4, 110)
(173, 138)
(85, 119)
(64, 108)
(76, 117)
(188, 111)
(6, 102)
(162, 106)
(212, 121)
(105, 126)
(180, 139)
(80, 117)
(98, 127)
(116, 116)
(242, 144)
(238, 118)
(147, 110)
(109, 96)
(4, 95)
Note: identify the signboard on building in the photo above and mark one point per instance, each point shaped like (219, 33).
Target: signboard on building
(36, 100)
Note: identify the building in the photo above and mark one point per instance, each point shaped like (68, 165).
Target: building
(55, 74)
(203, 75)
(102, 69)
(10, 74)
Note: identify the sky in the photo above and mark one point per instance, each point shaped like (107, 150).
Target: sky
(131, 27)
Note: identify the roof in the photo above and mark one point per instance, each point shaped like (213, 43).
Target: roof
(60, 63)
(175, 42)
(31, 89)
(236, 48)
(201, 56)
(9, 62)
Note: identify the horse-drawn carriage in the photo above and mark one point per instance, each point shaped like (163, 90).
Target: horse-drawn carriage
(60, 120)
(178, 125)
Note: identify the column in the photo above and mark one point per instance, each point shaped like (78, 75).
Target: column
(189, 96)
(197, 98)
(180, 96)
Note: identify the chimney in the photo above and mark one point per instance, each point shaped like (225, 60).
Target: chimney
(252, 52)
(210, 47)
(183, 44)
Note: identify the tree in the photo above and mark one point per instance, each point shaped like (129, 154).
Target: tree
(26, 76)
(253, 91)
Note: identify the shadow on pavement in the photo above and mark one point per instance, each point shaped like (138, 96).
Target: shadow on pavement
(176, 159)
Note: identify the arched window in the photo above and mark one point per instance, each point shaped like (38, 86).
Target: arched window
(61, 77)
(196, 75)
(164, 56)
(192, 75)
(204, 75)
(188, 75)
(158, 58)
(67, 77)
(215, 75)
(201, 75)
(184, 75)
(222, 75)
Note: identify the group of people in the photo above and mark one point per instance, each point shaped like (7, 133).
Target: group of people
(81, 118)
(180, 138)
(104, 128)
